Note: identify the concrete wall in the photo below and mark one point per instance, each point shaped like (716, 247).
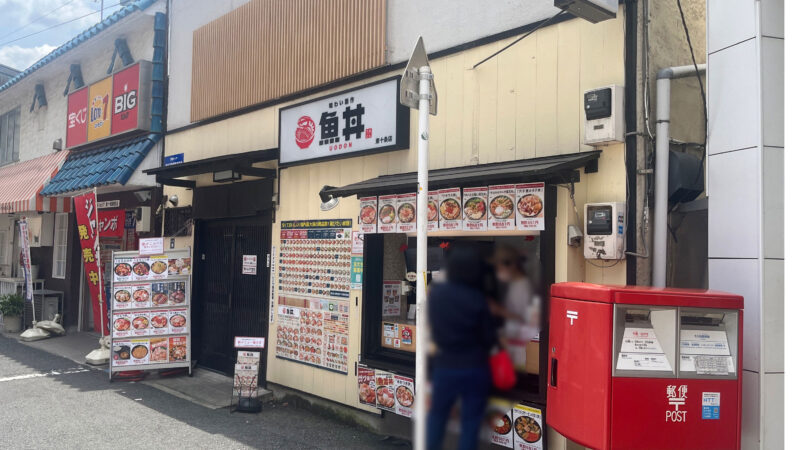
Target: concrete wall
(745, 169)
(38, 129)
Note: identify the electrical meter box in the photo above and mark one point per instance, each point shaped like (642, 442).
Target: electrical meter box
(604, 230)
(645, 368)
(604, 120)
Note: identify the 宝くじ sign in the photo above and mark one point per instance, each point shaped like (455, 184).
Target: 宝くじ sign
(364, 119)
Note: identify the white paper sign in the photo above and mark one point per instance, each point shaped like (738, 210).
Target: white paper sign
(450, 209)
(640, 340)
(391, 298)
(708, 365)
(358, 243)
(502, 207)
(475, 208)
(151, 246)
(530, 206)
(404, 395)
(704, 342)
(643, 361)
(369, 214)
(345, 123)
(528, 435)
(387, 214)
(249, 264)
(248, 342)
(407, 213)
(433, 210)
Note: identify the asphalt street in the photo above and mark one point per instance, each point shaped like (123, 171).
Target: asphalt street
(51, 402)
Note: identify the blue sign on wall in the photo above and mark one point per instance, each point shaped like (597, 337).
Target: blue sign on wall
(173, 159)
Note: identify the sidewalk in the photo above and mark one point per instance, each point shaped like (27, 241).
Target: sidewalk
(205, 388)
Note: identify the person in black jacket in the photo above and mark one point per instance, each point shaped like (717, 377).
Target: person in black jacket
(464, 335)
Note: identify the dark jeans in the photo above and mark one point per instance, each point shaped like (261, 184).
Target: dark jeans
(472, 387)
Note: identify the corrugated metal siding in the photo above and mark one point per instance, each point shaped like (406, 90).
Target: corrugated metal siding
(270, 48)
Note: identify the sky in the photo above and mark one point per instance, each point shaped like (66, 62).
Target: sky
(46, 18)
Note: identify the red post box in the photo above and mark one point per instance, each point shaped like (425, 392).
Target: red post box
(639, 367)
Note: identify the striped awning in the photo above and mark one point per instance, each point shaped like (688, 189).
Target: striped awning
(21, 185)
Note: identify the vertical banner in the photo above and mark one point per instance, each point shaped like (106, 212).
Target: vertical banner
(89, 235)
(99, 125)
(25, 248)
(77, 115)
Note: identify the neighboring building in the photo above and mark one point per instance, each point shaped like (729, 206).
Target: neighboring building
(53, 147)
(7, 73)
(745, 167)
(241, 125)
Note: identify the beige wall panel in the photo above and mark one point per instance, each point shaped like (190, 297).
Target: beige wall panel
(507, 118)
(266, 49)
(526, 97)
(546, 92)
(614, 49)
(570, 100)
(487, 104)
(438, 123)
(452, 99)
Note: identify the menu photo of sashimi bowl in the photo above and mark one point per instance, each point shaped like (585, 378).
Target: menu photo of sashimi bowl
(475, 208)
(433, 211)
(530, 205)
(158, 349)
(368, 214)
(450, 209)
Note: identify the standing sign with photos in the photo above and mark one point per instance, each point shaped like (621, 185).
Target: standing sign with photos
(150, 311)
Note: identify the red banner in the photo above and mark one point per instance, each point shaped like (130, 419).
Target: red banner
(125, 95)
(89, 235)
(111, 223)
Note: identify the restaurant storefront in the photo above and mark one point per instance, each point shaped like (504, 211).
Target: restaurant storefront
(340, 298)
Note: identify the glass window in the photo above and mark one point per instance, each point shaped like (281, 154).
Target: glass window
(644, 341)
(60, 245)
(9, 136)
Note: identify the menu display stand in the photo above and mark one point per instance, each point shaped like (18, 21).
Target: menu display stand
(245, 378)
(150, 309)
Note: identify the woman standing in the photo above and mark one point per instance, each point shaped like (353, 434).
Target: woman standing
(462, 330)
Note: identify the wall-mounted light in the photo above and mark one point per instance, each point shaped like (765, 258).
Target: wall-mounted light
(173, 199)
(226, 175)
(328, 201)
(57, 146)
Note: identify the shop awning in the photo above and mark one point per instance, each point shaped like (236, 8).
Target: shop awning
(241, 163)
(557, 169)
(21, 185)
(109, 164)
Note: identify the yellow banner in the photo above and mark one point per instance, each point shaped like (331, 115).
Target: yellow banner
(100, 109)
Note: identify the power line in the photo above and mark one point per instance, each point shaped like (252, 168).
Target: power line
(38, 18)
(56, 25)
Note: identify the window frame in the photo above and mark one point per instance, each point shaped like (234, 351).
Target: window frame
(9, 141)
(60, 245)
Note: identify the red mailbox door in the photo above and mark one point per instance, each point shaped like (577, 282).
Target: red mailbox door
(579, 371)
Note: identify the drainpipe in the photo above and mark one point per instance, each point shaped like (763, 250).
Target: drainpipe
(664, 79)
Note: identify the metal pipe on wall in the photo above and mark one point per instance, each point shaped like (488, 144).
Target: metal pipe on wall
(663, 89)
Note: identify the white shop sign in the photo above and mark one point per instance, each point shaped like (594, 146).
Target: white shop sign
(365, 119)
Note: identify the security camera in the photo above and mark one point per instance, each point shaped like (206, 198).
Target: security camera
(574, 236)
(173, 199)
(57, 145)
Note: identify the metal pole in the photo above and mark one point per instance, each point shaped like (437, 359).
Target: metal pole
(425, 76)
(661, 182)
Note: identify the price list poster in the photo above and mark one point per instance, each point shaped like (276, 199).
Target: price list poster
(313, 310)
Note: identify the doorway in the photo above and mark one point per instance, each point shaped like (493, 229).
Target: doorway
(228, 302)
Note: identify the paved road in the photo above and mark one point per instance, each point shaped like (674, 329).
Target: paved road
(51, 402)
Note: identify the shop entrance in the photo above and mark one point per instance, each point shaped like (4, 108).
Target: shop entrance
(229, 302)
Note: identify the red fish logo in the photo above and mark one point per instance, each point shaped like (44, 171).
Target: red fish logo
(304, 135)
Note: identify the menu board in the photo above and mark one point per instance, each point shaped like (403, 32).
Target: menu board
(384, 390)
(369, 214)
(475, 208)
(245, 375)
(498, 424)
(313, 310)
(433, 210)
(150, 310)
(530, 206)
(450, 209)
(407, 213)
(528, 428)
(502, 207)
(387, 214)
(391, 298)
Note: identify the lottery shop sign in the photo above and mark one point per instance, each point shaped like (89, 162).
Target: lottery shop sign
(111, 106)
(366, 119)
(89, 236)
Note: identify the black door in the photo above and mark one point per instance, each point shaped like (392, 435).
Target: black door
(228, 302)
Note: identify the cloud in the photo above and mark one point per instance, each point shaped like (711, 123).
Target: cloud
(21, 58)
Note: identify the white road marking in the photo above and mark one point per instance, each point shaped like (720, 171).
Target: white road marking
(44, 374)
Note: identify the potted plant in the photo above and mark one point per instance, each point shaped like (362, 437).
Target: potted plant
(11, 307)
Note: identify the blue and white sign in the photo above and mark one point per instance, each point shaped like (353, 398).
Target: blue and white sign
(173, 159)
(711, 405)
